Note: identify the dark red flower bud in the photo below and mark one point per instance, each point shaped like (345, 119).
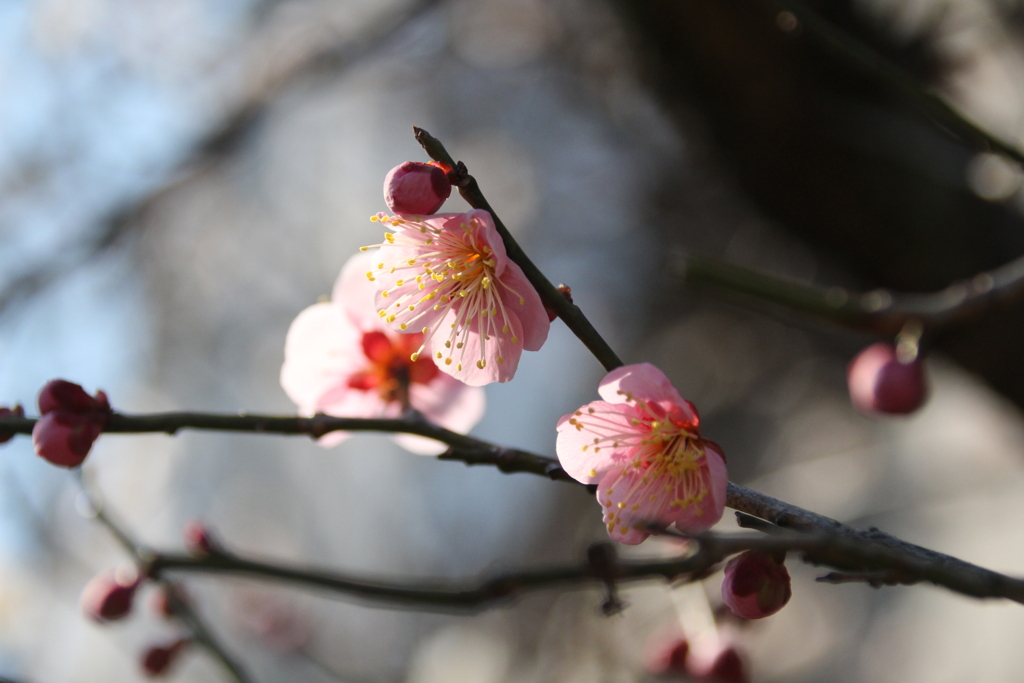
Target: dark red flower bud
(108, 597)
(64, 438)
(880, 383)
(199, 540)
(416, 188)
(64, 395)
(755, 585)
(157, 660)
(16, 411)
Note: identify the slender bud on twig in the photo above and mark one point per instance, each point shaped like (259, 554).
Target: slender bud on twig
(108, 597)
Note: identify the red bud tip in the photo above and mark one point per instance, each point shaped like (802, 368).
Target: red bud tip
(880, 383)
(566, 293)
(59, 394)
(755, 585)
(157, 660)
(16, 411)
(198, 539)
(106, 598)
(416, 188)
(64, 438)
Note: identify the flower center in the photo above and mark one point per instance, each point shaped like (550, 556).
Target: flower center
(390, 371)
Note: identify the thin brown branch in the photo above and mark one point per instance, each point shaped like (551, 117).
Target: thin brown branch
(879, 310)
(227, 136)
(870, 550)
(861, 57)
(183, 609)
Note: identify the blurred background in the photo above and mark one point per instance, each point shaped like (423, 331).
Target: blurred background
(179, 179)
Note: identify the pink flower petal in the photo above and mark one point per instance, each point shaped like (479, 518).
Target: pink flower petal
(618, 492)
(322, 349)
(531, 313)
(355, 293)
(642, 380)
(579, 456)
(497, 351)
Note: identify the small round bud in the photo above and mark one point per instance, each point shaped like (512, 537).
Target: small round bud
(64, 438)
(416, 188)
(157, 660)
(880, 383)
(199, 540)
(108, 597)
(59, 394)
(755, 585)
(16, 411)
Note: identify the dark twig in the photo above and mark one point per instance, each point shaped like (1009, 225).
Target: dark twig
(861, 550)
(218, 144)
(879, 563)
(467, 449)
(879, 310)
(873, 65)
(567, 311)
(183, 609)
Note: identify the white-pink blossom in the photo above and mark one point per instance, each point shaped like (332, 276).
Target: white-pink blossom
(448, 278)
(641, 445)
(342, 360)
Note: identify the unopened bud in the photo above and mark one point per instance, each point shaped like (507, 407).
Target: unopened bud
(416, 188)
(59, 394)
(157, 660)
(16, 411)
(64, 438)
(199, 540)
(108, 597)
(880, 383)
(755, 585)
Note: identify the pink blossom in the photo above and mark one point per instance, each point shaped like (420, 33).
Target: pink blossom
(641, 445)
(416, 188)
(880, 382)
(755, 585)
(448, 278)
(342, 360)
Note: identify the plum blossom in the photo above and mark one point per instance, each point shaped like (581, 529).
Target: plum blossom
(340, 359)
(641, 445)
(447, 278)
